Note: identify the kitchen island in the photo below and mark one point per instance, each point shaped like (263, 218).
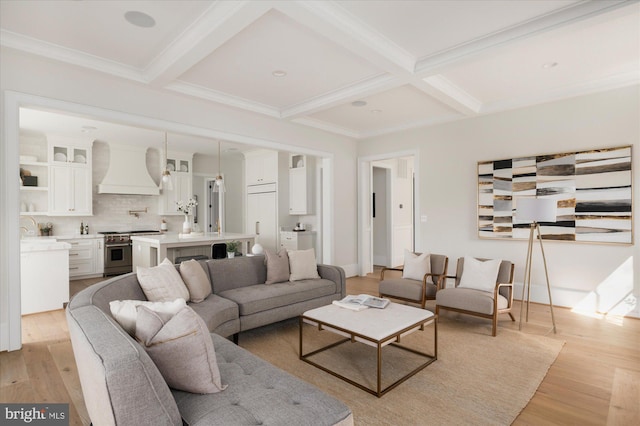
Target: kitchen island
(150, 250)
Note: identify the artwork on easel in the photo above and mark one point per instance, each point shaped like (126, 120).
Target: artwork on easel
(593, 190)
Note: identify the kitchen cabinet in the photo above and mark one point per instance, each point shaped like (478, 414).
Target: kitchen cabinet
(86, 257)
(70, 177)
(292, 240)
(261, 166)
(44, 276)
(300, 185)
(179, 164)
(71, 192)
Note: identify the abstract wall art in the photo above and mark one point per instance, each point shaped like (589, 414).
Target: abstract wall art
(593, 190)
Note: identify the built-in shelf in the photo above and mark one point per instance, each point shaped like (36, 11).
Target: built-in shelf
(34, 188)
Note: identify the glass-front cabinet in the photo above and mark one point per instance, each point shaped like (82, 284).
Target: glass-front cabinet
(70, 176)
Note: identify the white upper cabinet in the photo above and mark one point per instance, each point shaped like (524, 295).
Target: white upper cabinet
(70, 177)
(261, 166)
(300, 185)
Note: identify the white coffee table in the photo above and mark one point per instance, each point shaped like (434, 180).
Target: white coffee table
(373, 327)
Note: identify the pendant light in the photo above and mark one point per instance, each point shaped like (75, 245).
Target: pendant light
(166, 181)
(219, 182)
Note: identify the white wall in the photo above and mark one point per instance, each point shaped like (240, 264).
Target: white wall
(107, 97)
(448, 157)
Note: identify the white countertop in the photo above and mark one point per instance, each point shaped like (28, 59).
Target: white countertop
(31, 245)
(174, 237)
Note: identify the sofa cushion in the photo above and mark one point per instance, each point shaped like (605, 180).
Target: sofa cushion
(196, 280)
(262, 297)
(126, 311)
(416, 266)
(302, 264)
(162, 283)
(258, 393)
(216, 310)
(180, 345)
(237, 272)
(277, 266)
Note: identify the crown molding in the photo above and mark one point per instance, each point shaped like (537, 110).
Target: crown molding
(70, 56)
(323, 125)
(550, 21)
(581, 89)
(222, 98)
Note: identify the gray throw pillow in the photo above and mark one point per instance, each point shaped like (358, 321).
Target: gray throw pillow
(195, 278)
(277, 266)
(181, 347)
(162, 283)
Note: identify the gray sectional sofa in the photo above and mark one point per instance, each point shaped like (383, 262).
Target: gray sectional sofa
(121, 384)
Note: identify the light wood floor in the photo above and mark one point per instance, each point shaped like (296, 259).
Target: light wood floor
(594, 381)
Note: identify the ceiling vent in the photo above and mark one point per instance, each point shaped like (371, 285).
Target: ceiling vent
(127, 172)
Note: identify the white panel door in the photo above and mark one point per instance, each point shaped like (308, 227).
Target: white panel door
(262, 218)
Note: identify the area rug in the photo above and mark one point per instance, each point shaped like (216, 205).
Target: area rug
(477, 379)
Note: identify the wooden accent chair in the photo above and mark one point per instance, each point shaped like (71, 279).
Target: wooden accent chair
(412, 290)
(481, 303)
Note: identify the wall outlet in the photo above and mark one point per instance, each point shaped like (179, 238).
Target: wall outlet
(423, 218)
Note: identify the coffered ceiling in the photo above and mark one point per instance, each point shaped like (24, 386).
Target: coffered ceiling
(357, 68)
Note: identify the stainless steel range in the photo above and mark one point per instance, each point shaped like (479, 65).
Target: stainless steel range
(117, 251)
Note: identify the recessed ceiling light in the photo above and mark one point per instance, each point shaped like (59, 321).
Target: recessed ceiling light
(87, 129)
(139, 19)
(279, 73)
(376, 111)
(358, 103)
(548, 65)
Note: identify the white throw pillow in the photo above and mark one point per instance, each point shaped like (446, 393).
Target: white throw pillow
(162, 283)
(480, 275)
(126, 313)
(416, 266)
(302, 264)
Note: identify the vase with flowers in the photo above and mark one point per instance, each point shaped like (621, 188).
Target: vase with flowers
(186, 208)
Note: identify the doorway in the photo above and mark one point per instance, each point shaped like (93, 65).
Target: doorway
(387, 207)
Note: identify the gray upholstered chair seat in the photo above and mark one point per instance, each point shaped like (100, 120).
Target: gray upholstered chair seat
(470, 299)
(256, 395)
(407, 289)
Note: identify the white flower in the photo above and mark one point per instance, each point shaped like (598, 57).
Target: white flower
(186, 207)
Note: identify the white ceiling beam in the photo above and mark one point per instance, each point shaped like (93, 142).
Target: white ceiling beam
(351, 93)
(337, 25)
(222, 98)
(217, 25)
(586, 9)
(442, 89)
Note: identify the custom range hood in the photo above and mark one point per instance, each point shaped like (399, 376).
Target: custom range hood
(127, 172)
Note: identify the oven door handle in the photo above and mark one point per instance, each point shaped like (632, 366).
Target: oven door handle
(117, 245)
